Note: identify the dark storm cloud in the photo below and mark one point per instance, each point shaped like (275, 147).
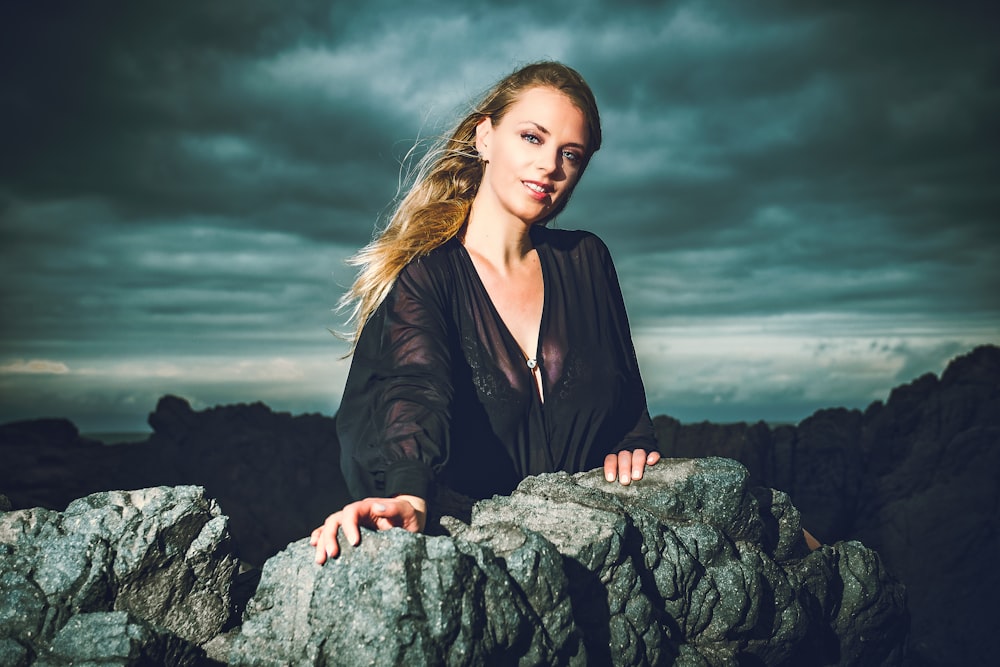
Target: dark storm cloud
(164, 111)
(788, 188)
(855, 145)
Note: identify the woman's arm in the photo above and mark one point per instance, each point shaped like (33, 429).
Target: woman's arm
(628, 459)
(393, 422)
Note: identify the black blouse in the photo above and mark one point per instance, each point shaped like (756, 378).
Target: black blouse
(440, 393)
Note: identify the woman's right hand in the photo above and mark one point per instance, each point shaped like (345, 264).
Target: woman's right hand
(409, 512)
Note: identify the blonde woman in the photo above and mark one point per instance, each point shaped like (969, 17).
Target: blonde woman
(488, 347)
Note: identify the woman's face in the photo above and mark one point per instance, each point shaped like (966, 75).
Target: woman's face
(534, 155)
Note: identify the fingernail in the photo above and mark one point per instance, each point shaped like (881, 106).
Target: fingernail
(610, 477)
(378, 507)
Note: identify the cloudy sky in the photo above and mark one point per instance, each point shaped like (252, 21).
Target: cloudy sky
(802, 198)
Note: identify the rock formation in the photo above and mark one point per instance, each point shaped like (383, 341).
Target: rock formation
(689, 566)
(119, 576)
(914, 478)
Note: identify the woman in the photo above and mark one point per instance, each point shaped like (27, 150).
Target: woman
(488, 347)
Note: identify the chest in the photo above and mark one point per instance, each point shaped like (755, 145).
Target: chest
(544, 337)
(518, 299)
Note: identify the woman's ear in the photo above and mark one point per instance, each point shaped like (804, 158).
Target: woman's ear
(484, 132)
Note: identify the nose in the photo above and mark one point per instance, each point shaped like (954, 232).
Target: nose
(548, 161)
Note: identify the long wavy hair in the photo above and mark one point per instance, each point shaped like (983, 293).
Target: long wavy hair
(446, 180)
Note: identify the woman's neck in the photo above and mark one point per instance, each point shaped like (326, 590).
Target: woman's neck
(503, 243)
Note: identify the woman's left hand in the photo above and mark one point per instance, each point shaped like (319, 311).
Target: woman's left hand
(628, 465)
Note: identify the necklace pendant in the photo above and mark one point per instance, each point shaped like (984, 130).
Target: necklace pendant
(531, 363)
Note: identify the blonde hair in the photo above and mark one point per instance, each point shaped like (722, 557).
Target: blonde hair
(446, 180)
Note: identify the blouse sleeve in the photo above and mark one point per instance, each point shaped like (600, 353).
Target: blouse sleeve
(393, 422)
(640, 434)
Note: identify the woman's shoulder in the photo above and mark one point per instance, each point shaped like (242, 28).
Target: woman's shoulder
(434, 268)
(576, 242)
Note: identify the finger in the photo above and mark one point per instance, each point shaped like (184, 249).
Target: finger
(320, 549)
(625, 468)
(385, 516)
(811, 541)
(611, 467)
(320, 541)
(652, 458)
(326, 539)
(638, 463)
(349, 523)
(328, 542)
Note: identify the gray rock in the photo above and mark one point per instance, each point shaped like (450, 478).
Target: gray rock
(161, 554)
(13, 653)
(112, 639)
(686, 567)
(913, 478)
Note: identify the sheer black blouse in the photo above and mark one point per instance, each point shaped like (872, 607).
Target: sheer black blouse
(440, 393)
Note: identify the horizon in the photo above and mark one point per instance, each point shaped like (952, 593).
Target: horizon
(800, 200)
(121, 436)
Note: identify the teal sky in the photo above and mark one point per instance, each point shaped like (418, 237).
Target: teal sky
(801, 198)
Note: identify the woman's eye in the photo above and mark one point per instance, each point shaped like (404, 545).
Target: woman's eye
(571, 156)
(531, 138)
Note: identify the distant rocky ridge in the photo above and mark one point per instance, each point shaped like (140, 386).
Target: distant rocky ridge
(914, 478)
(276, 476)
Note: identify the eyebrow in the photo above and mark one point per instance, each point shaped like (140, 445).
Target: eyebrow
(547, 133)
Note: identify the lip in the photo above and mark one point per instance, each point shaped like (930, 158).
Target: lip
(546, 190)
